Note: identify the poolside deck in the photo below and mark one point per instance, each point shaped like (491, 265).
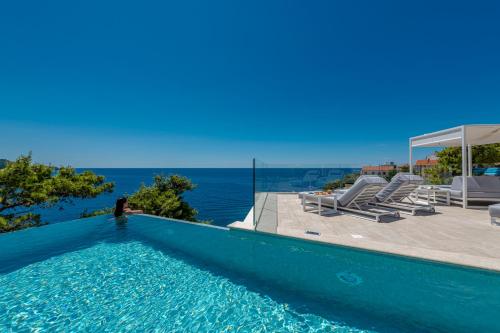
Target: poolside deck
(452, 235)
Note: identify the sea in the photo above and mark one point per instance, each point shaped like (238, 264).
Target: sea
(222, 195)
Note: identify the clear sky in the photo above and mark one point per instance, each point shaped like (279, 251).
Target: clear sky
(215, 83)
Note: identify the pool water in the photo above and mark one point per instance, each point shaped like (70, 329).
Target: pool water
(133, 287)
(130, 286)
(151, 274)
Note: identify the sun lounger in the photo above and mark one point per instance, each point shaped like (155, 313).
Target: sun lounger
(396, 194)
(357, 199)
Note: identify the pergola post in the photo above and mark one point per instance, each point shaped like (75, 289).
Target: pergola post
(464, 168)
(411, 158)
(469, 160)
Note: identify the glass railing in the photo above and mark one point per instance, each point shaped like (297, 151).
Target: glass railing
(271, 180)
(277, 185)
(274, 182)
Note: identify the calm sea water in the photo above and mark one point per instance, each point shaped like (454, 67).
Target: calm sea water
(222, 195)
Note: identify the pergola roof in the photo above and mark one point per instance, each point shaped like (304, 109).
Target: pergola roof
(452, 137)
(464, 136)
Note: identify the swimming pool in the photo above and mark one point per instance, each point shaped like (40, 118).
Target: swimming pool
(152, 274)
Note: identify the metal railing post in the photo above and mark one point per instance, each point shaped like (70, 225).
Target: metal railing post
(253, 194)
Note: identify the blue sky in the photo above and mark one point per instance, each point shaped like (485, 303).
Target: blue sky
(215, 83)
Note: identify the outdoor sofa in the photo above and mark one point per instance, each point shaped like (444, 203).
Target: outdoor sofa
(494, 213)
(480, 189)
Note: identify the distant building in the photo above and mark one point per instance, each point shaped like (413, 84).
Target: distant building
(422, 165)
(380, 170)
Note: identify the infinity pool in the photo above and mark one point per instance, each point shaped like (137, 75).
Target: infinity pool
(152, 274)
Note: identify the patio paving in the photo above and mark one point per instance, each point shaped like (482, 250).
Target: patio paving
(452, 235)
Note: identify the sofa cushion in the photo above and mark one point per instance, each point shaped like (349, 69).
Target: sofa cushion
(494, 210)
(477, 184)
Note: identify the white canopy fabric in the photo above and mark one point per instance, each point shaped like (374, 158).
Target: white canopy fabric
(464, 136)
(473, 135)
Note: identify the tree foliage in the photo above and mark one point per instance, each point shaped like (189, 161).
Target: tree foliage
(390, 174)
(164, 198)
(340, 183)
(103, 211)
(25, 185)
(435, 175)
(404, 168)
(451, 158)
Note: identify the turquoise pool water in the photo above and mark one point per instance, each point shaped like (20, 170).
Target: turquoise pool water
(131, 286)
(151, 274)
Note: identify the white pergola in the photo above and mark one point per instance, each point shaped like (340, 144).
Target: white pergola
(464, 136)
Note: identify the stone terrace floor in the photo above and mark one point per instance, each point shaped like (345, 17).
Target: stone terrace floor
(452, 235)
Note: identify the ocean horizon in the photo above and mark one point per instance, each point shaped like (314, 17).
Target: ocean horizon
(221, 196)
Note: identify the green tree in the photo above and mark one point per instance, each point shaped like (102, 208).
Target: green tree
(451, 158)
(350, 178)
(435, 175)
(390, 174)
(164, 198)
(340, 183)
(104, 211)
(25, 185)
(404, 168)
(332, 185)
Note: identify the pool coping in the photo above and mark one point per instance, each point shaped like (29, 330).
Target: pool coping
(185, 222)
(476, 265)
(368, 249)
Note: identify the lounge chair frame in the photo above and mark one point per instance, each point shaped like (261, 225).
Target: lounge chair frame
(395, 200)
(360, 204)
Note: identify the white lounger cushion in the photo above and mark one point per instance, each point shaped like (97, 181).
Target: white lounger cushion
(346, 198)
(400, 179)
